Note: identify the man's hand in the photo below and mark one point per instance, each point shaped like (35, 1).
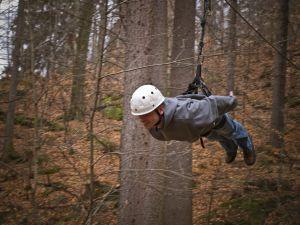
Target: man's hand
(231, 93)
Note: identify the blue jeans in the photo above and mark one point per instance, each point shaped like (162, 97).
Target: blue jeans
(231, 136)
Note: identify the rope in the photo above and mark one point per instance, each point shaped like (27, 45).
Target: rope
(198, 81)
(260, 35)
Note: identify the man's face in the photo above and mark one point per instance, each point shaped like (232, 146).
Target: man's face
(149, 119)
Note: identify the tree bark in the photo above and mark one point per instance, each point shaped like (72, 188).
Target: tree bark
(142, 158)
(8, 148)
(77, 106)
(36, 137)
(178, 193)
(279, 80)
(221, 8)
(232, 40)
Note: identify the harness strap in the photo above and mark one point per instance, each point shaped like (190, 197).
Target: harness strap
(202, 142)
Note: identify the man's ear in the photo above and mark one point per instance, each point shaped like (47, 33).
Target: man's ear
(161, 109)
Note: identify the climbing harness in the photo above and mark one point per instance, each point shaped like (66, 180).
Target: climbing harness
(198, 81)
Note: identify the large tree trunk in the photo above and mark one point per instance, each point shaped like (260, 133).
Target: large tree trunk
(142, 158)
(231, 48)
(8, 149)
(178, 194)
(77, 106)
(277, 120)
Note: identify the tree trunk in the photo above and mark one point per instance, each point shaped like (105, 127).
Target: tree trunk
(77, 106)
(277, 120)
(232, 40)
(221, 26)
(178, 194)
(8, 149)
(36, 138)
(142, 158)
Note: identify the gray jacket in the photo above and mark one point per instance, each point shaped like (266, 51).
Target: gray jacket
(189, 117)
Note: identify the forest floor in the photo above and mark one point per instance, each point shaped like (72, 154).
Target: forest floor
(223, 194)
(266, 193)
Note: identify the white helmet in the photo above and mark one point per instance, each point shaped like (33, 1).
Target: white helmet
(145, 99)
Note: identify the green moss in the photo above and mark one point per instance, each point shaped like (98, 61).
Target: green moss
(53, 126)
(49, 171)
(71, 151)
(267, 185)
(113, 109)
(42, 158)
(24, 121)
(254, 208)
(60, 199)
(47, 192)
(57, 186)
(53, 187)
(113, 112)
(107, 100)
(10, 153)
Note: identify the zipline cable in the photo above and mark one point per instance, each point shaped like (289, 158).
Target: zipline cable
(260, 35)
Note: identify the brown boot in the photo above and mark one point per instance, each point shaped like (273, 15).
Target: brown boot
(249, 156)
(230, 156)
(249, 153)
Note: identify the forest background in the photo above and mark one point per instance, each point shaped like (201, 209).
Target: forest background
(71, 153)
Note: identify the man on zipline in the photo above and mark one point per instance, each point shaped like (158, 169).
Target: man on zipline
(190, 117)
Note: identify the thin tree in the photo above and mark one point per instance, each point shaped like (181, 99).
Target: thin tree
(100, 50)
(279, 80)
(142, 158)
(16, 71)
(77, 106)
(221, 23)
(36, 143)
(232, 41)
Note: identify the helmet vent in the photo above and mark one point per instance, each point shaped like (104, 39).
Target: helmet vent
(152, 92)
(143, 97)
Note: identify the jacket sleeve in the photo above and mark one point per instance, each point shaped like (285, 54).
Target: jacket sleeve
(225, 103)
(204, 112)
